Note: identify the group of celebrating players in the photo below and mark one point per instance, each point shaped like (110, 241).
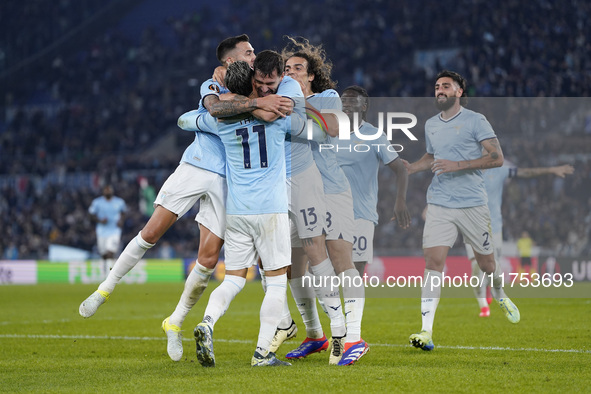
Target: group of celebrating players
(273, 198)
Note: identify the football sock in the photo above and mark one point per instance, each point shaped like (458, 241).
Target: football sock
(286, 318)
(195, 284)
(324, 275)
(271, 310)
(221, 297)
(354, 297)
(480, 290)
(263, 280)
(497, 285)
(305, 299)
(130, 256)
(430, 294)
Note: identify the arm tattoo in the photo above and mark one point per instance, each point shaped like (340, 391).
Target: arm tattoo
(225, 108)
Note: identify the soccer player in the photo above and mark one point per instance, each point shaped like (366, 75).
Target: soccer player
(257, 220)
(199, 176)
(361, 169)
(275, 103)
(494, 181)
(108, 212)
(307, 211)
(308, 65)
(457, 201)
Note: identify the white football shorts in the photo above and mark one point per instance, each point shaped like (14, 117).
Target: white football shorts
(186, 185)
(443, 224)
(340, 219)
(498, 247)
(249, 237)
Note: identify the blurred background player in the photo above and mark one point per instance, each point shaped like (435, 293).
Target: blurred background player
(108, 212)
(460, 143)
(494, 181)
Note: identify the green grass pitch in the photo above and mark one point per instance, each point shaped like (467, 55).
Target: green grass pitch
(46, 346)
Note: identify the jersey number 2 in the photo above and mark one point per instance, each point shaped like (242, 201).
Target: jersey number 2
(260, 130)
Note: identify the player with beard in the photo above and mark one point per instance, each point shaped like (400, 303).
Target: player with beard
(460, 143)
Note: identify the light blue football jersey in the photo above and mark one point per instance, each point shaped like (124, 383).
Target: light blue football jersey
(255, 154)
(458, 138)
(298, 155)
(333, 177)
(494, 181)
(206, 151)
(110, 210)
(360, 160)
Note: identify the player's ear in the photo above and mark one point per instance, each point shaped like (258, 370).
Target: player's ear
(311, 77)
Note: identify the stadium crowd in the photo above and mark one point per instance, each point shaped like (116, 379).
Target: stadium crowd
(92, 115)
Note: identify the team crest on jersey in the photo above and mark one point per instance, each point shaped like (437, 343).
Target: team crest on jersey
(214, 87)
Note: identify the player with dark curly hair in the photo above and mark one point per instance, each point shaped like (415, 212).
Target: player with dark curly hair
(318, 67)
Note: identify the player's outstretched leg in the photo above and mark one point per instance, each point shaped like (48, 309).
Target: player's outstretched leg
(90, 305)
(204, 341)
(130, 256)
(175, 340)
